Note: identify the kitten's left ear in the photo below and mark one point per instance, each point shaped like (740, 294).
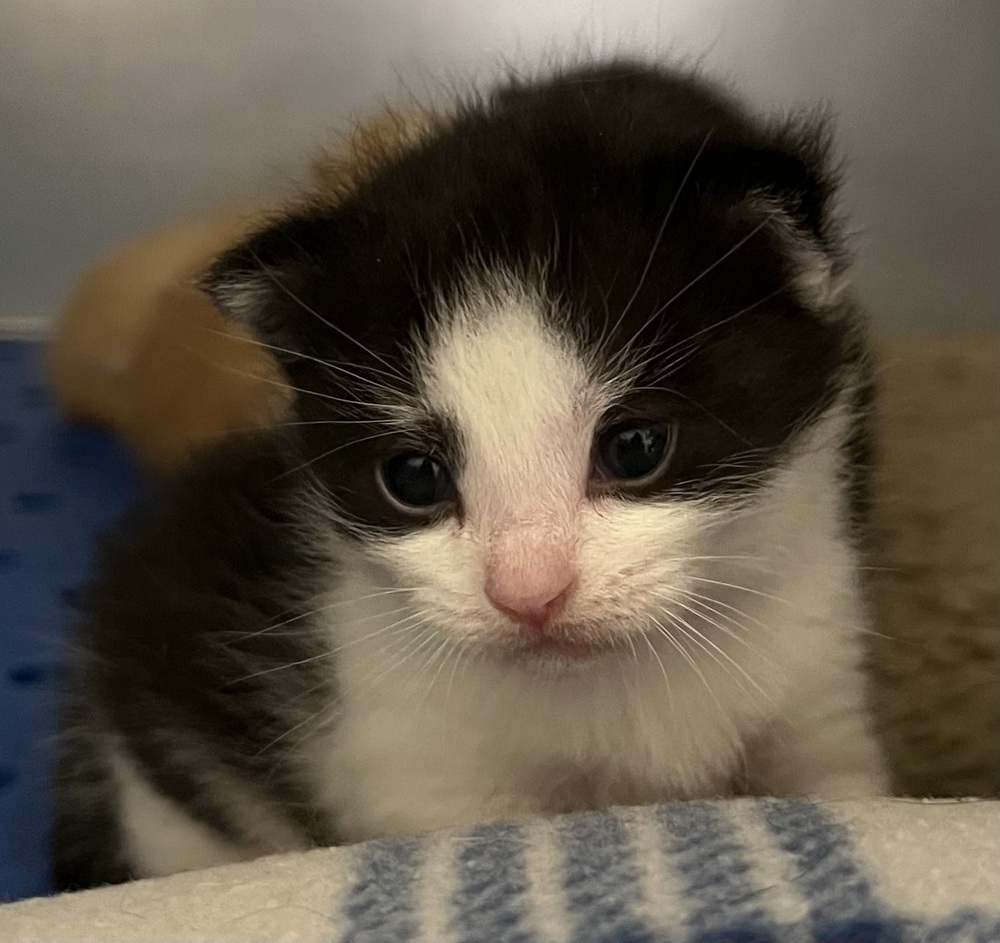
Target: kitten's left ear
(789, 165)
(257, 283)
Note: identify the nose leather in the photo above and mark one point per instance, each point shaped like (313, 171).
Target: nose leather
(533, 589)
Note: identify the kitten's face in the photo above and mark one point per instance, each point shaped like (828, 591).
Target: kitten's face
(546, 357)
(543, 544)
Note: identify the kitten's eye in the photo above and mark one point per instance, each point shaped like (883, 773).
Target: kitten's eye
(417, 480)
(630, 451)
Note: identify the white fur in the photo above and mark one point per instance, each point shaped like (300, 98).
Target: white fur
(161, 838)
(444, 721)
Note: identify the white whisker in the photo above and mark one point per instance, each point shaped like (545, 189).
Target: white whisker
(326, 608)
(300, 355)
(659, 235)
(742, 589)
(399, 626)
(354, 403)
(691, 661)
(284, 289)
(663, 669)
(333, 451)
(424, 638)
(714, 651)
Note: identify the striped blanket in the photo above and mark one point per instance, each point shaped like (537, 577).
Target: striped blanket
(737, 871)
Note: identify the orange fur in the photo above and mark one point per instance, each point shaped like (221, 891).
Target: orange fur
(336, 171)
(140, 349)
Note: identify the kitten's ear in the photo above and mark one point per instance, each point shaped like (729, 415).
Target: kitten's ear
(788, 165)
(258, 282)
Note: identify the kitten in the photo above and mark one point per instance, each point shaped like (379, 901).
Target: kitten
(568, 515)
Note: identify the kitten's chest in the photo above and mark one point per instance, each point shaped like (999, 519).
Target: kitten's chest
(491, 748)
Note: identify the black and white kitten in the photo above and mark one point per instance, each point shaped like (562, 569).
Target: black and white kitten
(569, 515)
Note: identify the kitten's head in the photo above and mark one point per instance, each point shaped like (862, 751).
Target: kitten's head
(543, 356)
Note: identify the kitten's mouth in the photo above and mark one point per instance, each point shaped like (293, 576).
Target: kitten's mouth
(564, 645)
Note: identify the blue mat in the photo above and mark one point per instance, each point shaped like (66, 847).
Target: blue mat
(59, 487)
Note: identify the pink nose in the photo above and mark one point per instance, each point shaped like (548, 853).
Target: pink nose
(533, 598)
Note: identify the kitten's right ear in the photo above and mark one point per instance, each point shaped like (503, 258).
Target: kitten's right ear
(259, 282)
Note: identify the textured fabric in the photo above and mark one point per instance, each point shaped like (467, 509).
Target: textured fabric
(937, 564)
(737, 871)
(58, 487)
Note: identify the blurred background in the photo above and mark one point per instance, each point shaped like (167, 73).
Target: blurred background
(116, 115)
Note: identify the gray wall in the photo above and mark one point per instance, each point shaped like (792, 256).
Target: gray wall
(118, 114)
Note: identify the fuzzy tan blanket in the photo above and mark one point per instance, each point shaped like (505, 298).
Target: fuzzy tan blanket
(937, 557)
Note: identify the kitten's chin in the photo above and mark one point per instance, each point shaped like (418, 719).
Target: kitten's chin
(554, 654)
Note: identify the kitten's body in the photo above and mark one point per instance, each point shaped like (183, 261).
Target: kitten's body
(283, 655)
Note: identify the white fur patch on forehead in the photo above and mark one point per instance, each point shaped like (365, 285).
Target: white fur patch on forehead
(518, 391)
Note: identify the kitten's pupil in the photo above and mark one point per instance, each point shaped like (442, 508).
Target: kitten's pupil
(417, 480)
(629, 452)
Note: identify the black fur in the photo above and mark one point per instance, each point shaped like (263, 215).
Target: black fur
(200, 593)
(645, 198)
(578, 176)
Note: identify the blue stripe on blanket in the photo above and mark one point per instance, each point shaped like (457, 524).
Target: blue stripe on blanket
(492, 899)
(381, 906)
(723, 899)
(843, 907)
(600, 879)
